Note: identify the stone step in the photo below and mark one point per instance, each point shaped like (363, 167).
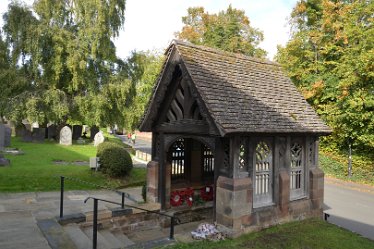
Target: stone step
(152, 244)
(55, 234)
(79, 238)
(102, 243)
(113, 240)
(123, 238)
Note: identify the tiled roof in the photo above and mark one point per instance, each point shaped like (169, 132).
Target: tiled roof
(244, 94)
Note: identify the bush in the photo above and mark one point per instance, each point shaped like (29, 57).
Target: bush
(114, 159)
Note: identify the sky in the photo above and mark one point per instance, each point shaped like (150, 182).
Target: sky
(151, 25)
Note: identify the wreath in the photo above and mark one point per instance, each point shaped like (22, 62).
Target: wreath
(176, 198)
(206, 193)
(189, 196)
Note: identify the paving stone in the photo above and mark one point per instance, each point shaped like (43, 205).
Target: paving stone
(55, 235)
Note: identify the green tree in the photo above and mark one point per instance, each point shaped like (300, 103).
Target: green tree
(66, 53)
(142, 69)
(228, 30)
(330, 58)
(12, 81)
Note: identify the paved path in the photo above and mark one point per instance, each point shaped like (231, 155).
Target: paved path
(350, 206)
(20, 211)
(140, 143)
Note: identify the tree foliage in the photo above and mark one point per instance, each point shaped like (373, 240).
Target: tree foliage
(68, 60)
(142, 69)
(330, 58)
(228, 30)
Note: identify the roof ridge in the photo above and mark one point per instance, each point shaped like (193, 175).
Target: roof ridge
(222, 52)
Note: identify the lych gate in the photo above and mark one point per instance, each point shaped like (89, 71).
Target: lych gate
(233, 131)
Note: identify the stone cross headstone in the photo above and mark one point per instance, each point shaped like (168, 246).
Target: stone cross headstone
(7, 135)
(99, 138)
(94, 129)
(77, 131)
(52, 131)
(2, 136)
(66, 136)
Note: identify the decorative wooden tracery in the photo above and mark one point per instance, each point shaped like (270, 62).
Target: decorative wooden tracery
(183, 106)
(178, 171)
(208, 162)
(263, 192)
(297, 171)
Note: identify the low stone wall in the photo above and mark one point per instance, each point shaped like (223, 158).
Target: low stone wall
(143, 156)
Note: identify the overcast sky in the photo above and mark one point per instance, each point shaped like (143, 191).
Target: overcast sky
(150, 24)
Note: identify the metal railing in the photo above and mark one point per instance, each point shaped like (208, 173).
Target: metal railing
(95, 213)
(62, 189)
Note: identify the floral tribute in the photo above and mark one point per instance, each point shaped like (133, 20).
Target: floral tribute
(178, 197)
(206, 193)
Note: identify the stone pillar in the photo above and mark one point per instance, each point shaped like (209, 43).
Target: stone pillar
(234, 202)
(316, 188)
(284, 191)
(152, 181)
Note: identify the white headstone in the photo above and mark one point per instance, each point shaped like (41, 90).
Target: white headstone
(66, 137)
(99, 138)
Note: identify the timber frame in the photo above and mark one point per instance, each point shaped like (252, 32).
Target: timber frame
(242, 122)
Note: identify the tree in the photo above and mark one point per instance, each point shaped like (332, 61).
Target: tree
(228, 30)
(330, 58)
(12, 81)
(142, 69)
(65, 51)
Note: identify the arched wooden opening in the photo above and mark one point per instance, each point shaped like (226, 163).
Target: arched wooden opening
(192, 169)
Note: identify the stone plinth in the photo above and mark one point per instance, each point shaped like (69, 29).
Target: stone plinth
(234, 202)
(152, 181)
(316, 188)
(284, 191)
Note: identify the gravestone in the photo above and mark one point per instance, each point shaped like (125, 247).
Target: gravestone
(52, 131)
(99, 138)
(66, 136)
(77, 131)
(94, 129)
(7, 135)
(2, 136)
(4, 161)
(20, 130)
(38, 134)
(27, 136)
(28, 127)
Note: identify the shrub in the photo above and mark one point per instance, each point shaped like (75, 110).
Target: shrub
(114, 159)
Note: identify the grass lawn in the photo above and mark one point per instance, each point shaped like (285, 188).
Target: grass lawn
(311, 233)
(36, 171)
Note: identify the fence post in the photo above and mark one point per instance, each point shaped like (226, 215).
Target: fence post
(123, 201)
(350, 161)
(94, 235)
(172, 228)
(62, 196)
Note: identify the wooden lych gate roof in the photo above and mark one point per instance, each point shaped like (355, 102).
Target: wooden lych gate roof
(240, 94)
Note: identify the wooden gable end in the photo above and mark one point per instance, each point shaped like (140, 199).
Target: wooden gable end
(180, 111)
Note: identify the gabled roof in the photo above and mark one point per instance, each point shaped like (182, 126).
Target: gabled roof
(242, 94)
